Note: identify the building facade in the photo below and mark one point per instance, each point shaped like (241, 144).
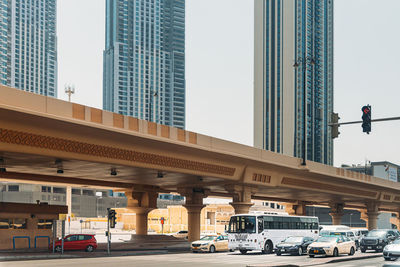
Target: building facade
(144, 60)
(28, 45)
(289, 32)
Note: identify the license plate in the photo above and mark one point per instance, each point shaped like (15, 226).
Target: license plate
(369, 247)
(283, 249)
(195, 248)
(315, 251)
(240, 245)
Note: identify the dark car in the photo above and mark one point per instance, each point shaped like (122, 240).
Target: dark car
(295, 245)
(76, 242)
(377, 240)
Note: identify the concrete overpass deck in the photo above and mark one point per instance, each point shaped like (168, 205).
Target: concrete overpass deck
(40, 135)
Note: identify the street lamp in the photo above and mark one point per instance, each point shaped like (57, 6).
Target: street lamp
(304, 62)
(152, 94)
(69, 90)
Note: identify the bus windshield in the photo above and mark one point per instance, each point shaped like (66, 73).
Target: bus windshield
(242, 224)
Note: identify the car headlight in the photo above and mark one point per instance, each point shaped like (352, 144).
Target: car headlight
(203, 244)
(326, 247)
(295, 246)
(385, 248)
(380, 240)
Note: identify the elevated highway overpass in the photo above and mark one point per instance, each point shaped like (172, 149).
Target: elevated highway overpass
(40, 135)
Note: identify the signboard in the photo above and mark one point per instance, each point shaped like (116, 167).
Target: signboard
(385, 172)
(392, 174)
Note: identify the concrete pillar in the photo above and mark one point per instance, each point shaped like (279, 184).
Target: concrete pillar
(298, 208)
(241, 196)
(336, 213)
(141, 203)
(141, 220)
(194, 223)
(194, 205)
(372, 215)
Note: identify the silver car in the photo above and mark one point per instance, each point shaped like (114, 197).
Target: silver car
(392, 250)
(392, 264)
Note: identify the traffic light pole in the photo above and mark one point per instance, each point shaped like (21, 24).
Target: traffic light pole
(108, 232)
(357, 122)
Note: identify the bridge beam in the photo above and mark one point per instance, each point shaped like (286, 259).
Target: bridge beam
(336, 213)
(241, 196)
(141, 202)
(194, 205)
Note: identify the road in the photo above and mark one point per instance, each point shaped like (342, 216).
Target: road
(230, 259)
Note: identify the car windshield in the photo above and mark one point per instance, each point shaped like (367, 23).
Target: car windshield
(208, 238)
(397, 241)
(294, 239)
(242, 224)
(327, 239)
(376, 233)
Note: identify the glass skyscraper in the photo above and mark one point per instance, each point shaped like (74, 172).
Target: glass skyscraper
(28, 45)
(286, 32)
(144, 60)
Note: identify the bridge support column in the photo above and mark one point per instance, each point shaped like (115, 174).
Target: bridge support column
(241, 196)
(298, 208)
(372, 215)
(336, 213)
(194, 205)
(141, 203)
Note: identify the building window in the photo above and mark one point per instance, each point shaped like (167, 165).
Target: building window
(17, 223)
(4, 223)
(45, 224)
(76, 191)
(46, 189)
(59, 190)
(13, 188)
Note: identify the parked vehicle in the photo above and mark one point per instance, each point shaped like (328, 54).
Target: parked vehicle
(76, 242)
(249, 232)
(210, 243)
(181, 234)
(392, 251)
(377, 240)
(295, 245)
(334, 228)
(350, 234)
(332, 246)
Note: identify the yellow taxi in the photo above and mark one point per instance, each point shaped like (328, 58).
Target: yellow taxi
(210, 243)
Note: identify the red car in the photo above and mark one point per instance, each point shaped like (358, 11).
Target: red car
(76, 242)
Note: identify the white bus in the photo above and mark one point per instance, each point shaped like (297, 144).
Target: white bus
(247, 232)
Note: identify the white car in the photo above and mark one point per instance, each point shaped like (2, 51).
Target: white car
(332, 246)
(392, 251)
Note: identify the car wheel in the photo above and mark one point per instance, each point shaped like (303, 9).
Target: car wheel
(278, 253)
(311, 256)
(352, 251)
(90, 248)
(362, 250)
(335, 252)
(57, 248)
(386, 259)
(231, 250)
(300, 251)
(243, 251)
(212, 249)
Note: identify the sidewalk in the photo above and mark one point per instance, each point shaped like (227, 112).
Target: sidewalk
(137, 245)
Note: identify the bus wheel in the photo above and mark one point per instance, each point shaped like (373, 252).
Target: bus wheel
(267, 247)
(243, 251)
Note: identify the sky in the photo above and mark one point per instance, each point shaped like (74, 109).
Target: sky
(219, 69)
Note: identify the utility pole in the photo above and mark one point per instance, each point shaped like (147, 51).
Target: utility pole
(69, 90)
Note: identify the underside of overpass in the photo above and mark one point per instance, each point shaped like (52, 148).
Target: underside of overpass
(39, 136)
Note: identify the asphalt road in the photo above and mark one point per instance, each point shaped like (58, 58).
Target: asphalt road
(230, 259)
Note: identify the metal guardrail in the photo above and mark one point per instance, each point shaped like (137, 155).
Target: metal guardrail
(27, 237)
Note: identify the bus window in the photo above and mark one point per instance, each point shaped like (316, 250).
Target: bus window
(242, 224)
(260, 224)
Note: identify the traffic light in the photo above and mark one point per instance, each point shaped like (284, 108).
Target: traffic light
(335, 128)
(366, 117)
(112, 218)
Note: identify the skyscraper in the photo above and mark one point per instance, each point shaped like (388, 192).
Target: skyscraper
(289, 32)
(144, 60)
(28, 45)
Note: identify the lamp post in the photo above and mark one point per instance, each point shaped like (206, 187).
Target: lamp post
(304, 62)
(69, 90)
(152, 94)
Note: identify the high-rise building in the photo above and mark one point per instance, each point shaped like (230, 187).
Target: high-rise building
(144, 60)
(28, 45)
(289, 32)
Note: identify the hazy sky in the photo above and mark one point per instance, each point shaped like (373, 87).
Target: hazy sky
(219, 69)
